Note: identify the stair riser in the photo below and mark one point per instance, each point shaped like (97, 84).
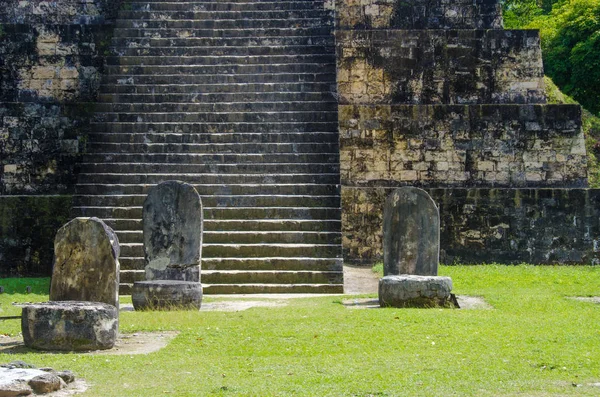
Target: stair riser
(225, 24)
(226, 289)
(273, 225)
(249, 251)
(221, 33)
(330, 264)
(213, 148)
(210, 179)
(169, 169)
(274, 278)
(202, 128)
(205, 90)
(262, 15)
(213, 201)
(215, 51)
(217, 138)
(142, 109)
(147, 42)
(206, 190)
(285, 264)
(221, 6)
(212, 158)
(222, 79)
(195, 97)
(219, 213)
(250, 238)
(272, 238)
(225, 116)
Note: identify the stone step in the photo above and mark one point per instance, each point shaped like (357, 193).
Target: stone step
(215, 51)
(236, 250)
(223, 6)
(289, 189)
(166, 32)
(232, 213)
(226, 115)
(300, 263)
(283, 41)
(220, 148)
(171, 171)
(292, 201)
(236, 213)
(229, 289)
(325, 58)
(255, 15)
(252, 237)
(276, 250)
(249, 276)
(250, 225)
(203, 90)
(225, 137)
(138, 184)
(316, 21)
(250, 1)
(223, 107)
(206, 158)
(137, 263)
(278, 237)
(214, 127)
(196, 97)
(318, 76)
(232, 289)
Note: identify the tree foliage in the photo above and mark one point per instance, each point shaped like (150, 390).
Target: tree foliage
(570, 32)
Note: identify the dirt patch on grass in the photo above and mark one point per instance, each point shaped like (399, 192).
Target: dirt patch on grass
(137, 343)
(465, 302)
(360, 280)
(591, 299)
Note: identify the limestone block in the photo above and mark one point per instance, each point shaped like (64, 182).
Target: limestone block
(414, 291)
(86, 265)
(172, 226)
(69, 325)
(411, 233)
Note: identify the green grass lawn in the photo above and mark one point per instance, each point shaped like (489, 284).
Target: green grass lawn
(534, 342)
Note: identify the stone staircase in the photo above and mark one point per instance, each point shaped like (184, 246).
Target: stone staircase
(235, 98)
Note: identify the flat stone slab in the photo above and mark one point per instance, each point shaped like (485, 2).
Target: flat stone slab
(414, 291)
(70, 325)
(166, 295)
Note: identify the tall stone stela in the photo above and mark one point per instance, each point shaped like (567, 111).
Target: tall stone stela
(86, 263)
(172, 226)
(411, 233)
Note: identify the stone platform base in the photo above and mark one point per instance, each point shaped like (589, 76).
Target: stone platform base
(166, 295)
(70, 325)
(415, 291)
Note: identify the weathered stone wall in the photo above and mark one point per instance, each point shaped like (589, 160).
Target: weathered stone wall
(440, 66)
(540, 226)
(47, 75)
(469, 145)
(50, 65)
(433, 93)
(48, 12)
(28, 225)
(418, 14)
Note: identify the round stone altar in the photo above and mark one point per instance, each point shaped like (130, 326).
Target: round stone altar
(166, 295)
(414, 291)
(70, 325)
